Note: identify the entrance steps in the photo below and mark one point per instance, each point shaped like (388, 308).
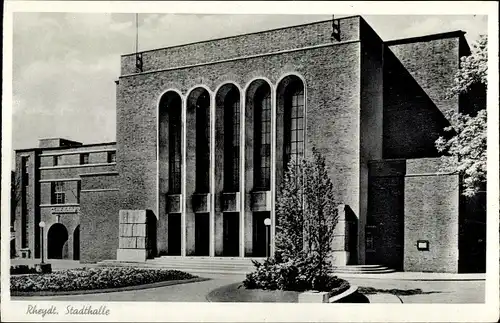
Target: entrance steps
(227, 265)
(195, 265)
(362, 269)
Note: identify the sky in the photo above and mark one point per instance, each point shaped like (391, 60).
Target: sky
(65, 64)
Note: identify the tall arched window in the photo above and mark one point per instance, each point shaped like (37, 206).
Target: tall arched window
(202, 142)
(262, 138)
(174, 145)
(232, 141)
(294, 123)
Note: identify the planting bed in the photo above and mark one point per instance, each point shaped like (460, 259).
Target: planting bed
(93, 279)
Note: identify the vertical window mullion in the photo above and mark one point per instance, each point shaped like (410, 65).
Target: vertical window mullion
(294, 115)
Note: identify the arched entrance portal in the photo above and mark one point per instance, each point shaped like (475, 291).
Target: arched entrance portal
(76, 243)
(57, 237)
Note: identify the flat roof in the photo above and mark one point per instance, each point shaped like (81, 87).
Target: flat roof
(449, 34)
(239, 35)
(67, 147)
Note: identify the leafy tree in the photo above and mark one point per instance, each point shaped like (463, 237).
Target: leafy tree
(306, 214)
(465, 148)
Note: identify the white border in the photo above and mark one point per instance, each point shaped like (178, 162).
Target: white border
(226, 312)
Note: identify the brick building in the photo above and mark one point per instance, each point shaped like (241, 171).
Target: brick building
(204, 131)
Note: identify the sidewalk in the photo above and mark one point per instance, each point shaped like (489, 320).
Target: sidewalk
(418, 276)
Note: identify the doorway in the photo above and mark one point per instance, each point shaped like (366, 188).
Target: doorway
(76, 243)
(174, 234)
(259, 234)
(57, 238)
(230, 246)
(202, 234)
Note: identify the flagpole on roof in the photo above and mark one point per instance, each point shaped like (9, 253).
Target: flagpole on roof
(138, 56)
(136, 33)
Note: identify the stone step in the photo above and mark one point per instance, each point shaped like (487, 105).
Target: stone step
(230, 265)
(361, 266)
(361, 269)
(209, 259)
(381, 271)
(211, 270)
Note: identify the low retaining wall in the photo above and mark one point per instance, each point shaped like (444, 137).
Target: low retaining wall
(325, 297)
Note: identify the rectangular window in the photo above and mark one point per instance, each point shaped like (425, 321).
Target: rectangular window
(111, 156)
(78, 189)
(203, 144)
(23, 202)
(84, 159)
(263, 143)
(58, 193)
(294, 127)
(232, 145)
(57, 160)
(174, 155)
(25, 171)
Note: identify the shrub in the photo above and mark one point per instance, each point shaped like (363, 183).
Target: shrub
(93, 278)
(292, 275)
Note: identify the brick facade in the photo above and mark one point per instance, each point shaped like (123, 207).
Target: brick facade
(372, 108)
(66, 231)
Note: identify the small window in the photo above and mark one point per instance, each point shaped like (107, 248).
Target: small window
(84, 159)
(58, 193)
(111, 156)
(57, 160)
(25, 170)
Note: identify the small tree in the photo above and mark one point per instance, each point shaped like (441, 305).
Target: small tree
(466, 149)
(306, 214)
(290, 216)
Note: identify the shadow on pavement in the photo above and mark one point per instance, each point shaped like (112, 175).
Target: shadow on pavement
(356, 297)
(395, 291)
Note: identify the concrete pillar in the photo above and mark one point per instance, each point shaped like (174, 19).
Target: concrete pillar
(273, 171)
(248, 166)
(162, 232)
(212, 176)
(242, 226)
(184, 179)
(219, 231)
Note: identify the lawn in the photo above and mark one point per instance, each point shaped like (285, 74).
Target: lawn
(93, 279)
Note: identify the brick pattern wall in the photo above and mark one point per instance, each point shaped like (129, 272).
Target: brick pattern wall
(386, 218)
(425, 206)
(99, 219)
(332, 113)
(431, 213)
(432, 64)
(412, 120)
(244, 45)
(371, 119)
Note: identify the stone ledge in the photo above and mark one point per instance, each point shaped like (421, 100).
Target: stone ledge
(335, 298)
(132, 255)
(324, 297)
(314, 297)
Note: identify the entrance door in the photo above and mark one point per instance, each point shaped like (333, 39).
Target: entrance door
(174, 234)
(231, 234)
(57, 238)
(76, 243)
(202, 234)
(259, 234)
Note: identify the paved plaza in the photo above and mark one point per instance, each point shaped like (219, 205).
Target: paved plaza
(409, 287)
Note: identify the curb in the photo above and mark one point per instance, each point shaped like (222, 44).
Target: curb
(109, 290)
(390, 277)
(352, 289)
